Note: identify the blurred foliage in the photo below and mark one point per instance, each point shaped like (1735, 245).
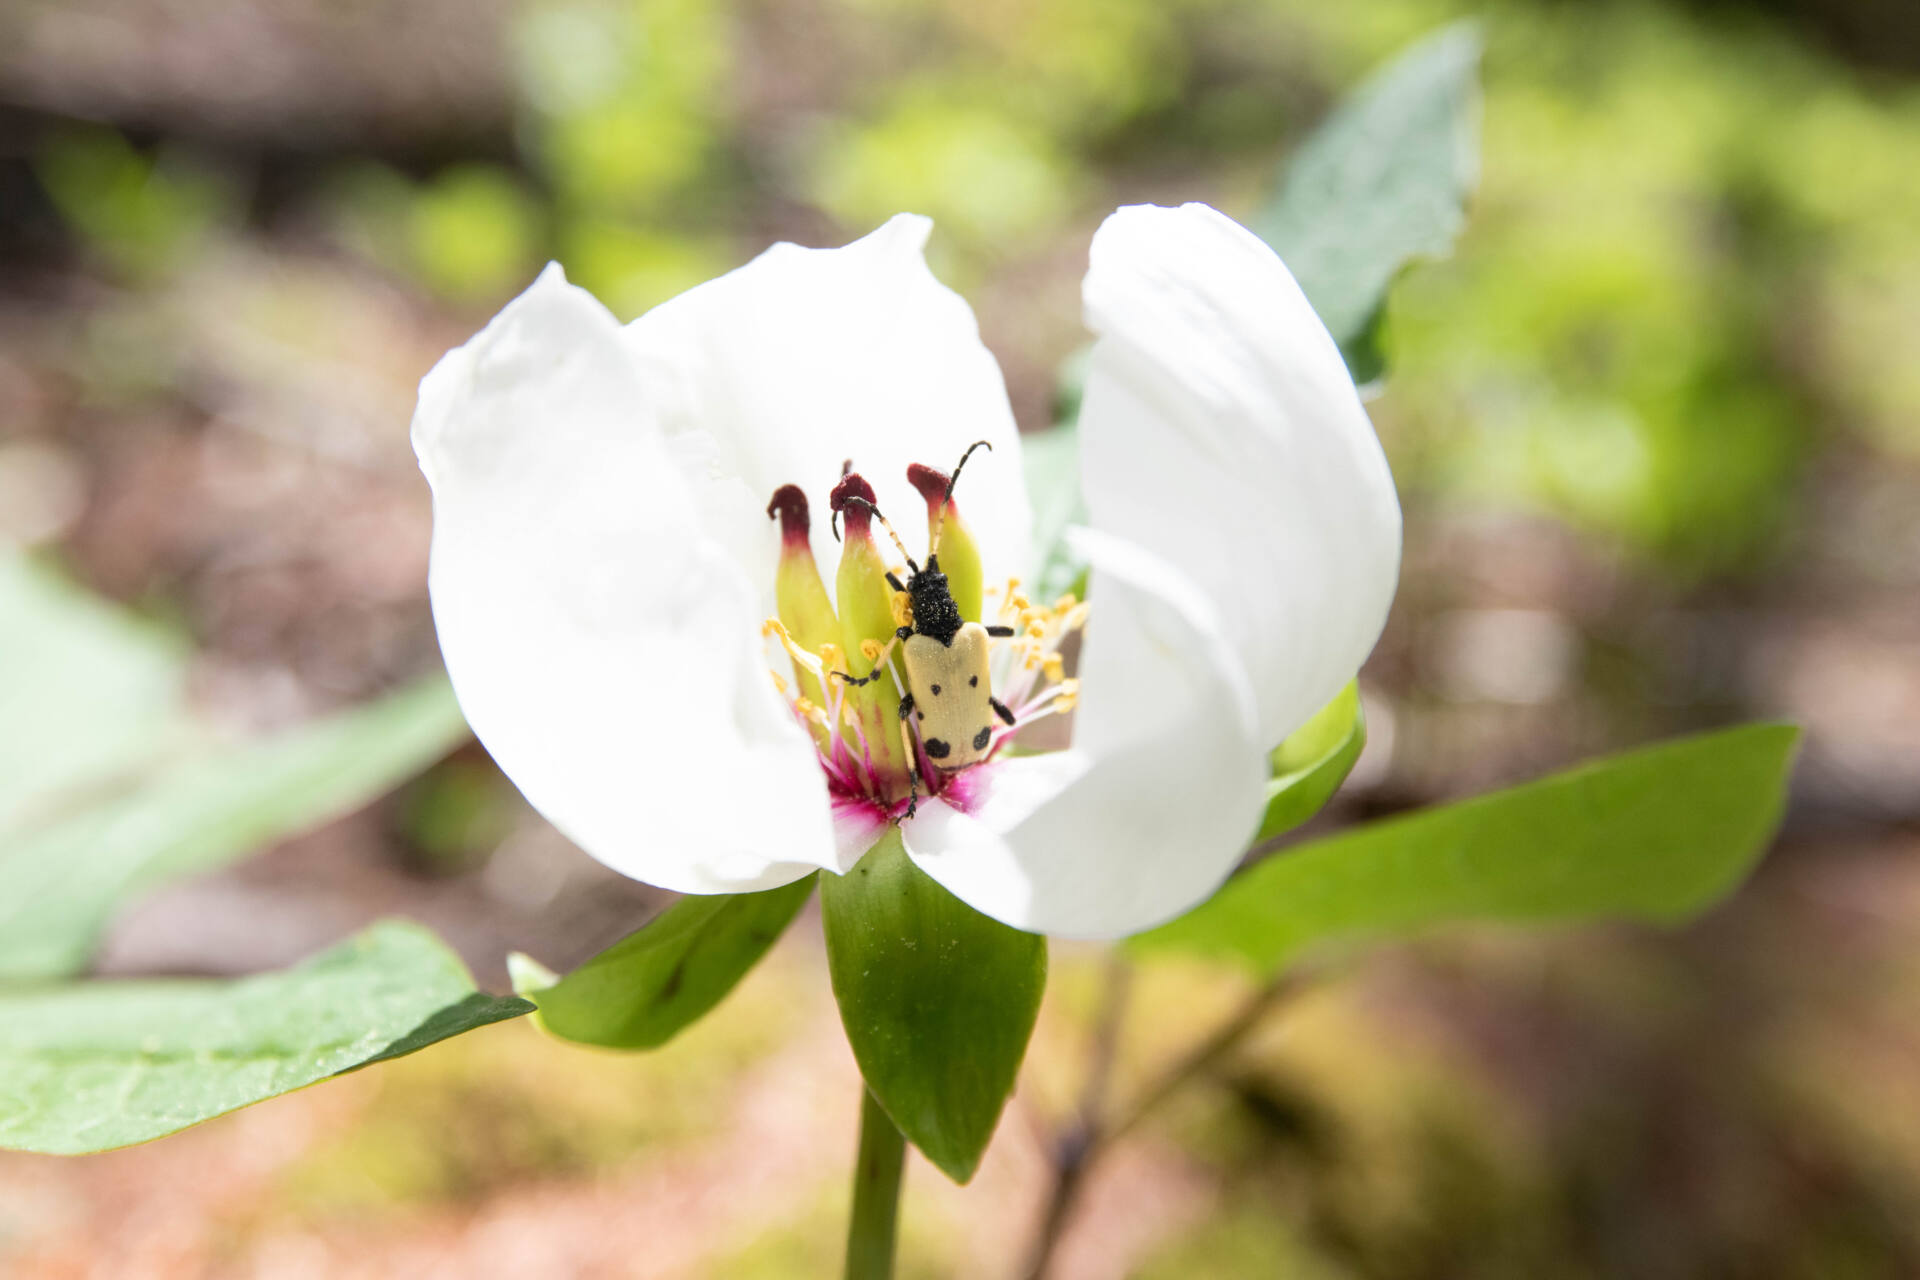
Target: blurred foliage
(1642, 329)
(991, 178)
(456, 813)
(140, 212)
(1690, 259)
(111, 784)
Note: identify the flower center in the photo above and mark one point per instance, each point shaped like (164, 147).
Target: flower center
(916, 672)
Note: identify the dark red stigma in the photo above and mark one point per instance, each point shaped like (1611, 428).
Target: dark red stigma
(858, 518)
(790, 504)
(932, 484)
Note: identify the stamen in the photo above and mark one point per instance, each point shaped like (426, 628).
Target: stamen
(774, 627)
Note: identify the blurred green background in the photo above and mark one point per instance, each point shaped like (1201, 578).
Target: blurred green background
(1656, 426)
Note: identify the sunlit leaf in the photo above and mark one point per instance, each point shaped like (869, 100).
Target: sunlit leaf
(102, 1065)
(938, 1002)
(1312, 763)
(1383, 181)
(1656, 834)
(65, 874)
(645, 989)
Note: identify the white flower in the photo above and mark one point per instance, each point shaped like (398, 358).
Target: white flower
(602, 561)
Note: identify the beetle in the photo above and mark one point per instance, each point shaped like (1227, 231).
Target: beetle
(950, 688)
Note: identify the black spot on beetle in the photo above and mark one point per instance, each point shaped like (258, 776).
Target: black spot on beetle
(973, 682)
(938, 748)
(936, 691)
(981, 739)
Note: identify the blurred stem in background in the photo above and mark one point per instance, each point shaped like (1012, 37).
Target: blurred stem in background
(1076, 1149)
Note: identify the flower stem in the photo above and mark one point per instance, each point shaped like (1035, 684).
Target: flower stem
(876, 1194)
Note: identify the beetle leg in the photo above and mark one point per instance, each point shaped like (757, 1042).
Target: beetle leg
(879, 660)
(1000, 709)
(906, 705)
(913, 771)
(1000, 632)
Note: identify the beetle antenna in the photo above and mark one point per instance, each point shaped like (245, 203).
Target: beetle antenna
(940, 526)
(854, 500)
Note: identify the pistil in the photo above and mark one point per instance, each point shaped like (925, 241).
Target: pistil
(867, 621)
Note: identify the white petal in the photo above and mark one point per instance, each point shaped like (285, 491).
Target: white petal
(1221, 430)
(783, 370)
(606, 652)
(1150, 809)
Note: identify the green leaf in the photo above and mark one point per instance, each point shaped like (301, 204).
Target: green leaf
(643, 990)
(87, 692)
(1655, 834)
(937, 999)
(102, 1065)
(1383, 181)
(1051, 461)
(66, 873)
(1312, 763)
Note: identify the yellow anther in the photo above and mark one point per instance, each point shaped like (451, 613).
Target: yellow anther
(1036, 630)
(780, 683)
(1018, 602)
(807, 661)
(902, 609)
(1065, 602)
(870, 650)
(1056, 667)
(1076, 617)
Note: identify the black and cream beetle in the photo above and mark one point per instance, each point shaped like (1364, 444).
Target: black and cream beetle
(949, 685)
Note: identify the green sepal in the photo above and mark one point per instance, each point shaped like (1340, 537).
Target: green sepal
(1312, 763)
(665, 976)
(98, 1065)
(1657, 834)
(938, 1002)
